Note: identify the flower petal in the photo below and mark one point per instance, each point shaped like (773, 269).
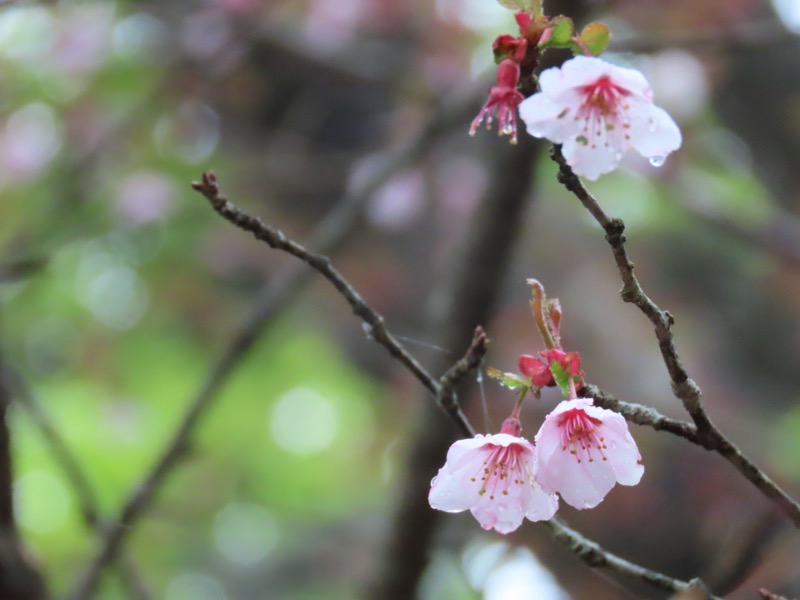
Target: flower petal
(589, 159)
(653, 132)
(574, 73)
(451, 490)
(504, 514)
(581, 484)
(621, 449)
(546, 118)
(541, 505)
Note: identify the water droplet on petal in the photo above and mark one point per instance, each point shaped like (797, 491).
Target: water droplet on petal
(433, 481)
(657, 161)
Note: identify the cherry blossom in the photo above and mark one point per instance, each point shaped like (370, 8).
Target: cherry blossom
(503, 100)
(583, 450)
(493, 477)
(598, 111)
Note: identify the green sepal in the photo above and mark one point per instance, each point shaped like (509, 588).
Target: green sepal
(562, 30)
(510, 380)
(594, 38)
(561, 377)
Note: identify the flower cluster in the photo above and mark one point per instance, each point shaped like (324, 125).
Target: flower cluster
(596, 110)
(580, 452)
(599, 111)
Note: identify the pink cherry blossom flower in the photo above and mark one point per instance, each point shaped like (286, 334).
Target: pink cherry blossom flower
(493, 477)
(598, 111)
(583, 450)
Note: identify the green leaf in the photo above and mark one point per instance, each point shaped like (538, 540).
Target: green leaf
(510, 380)
(562, 29)
(561, 377)
(594, 38)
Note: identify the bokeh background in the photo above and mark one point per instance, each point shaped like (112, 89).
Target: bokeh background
(121, 289)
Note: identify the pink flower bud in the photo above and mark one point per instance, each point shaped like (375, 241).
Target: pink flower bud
(538, 371)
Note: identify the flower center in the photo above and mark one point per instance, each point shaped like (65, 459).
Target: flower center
(604, 114)
(580, 434)
(500, 469)
(603, 96)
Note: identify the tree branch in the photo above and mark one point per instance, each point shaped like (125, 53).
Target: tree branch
(684, 388)
(597, 558)
(375, 323)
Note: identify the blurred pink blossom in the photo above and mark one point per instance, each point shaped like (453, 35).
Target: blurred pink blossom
(31, 138)
(145, 197)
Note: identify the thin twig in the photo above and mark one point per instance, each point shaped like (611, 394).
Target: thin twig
(684, 388)
(278, 240)
(469, 362)
(596, 557)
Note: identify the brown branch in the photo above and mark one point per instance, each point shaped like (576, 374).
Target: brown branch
(374, 322)
(597, 558)
(453, 376)
(684, 388)
(640, 414)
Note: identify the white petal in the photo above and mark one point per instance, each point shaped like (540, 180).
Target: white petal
(574, 73)
(566, 405)
(452, 491)
(589, 159)
(541, 505)
(541, 116)
(622, 452)
(506, 500)
(653, 132)
(631, 80)
(503, 513)
(581, 484)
